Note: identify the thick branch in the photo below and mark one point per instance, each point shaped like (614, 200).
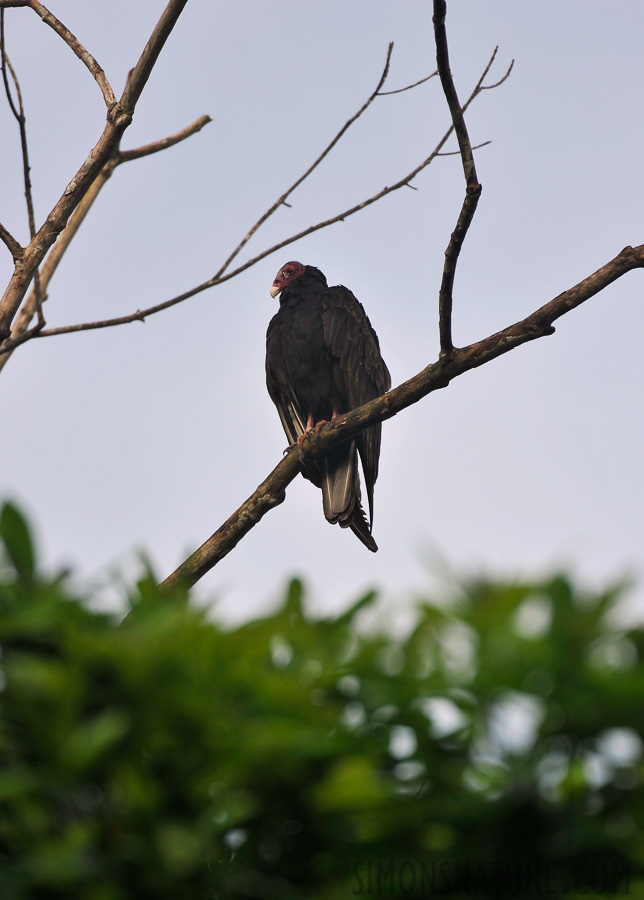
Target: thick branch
(438, 375)
(137, 79)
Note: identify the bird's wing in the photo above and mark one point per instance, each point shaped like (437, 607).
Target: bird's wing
(284, 397)
(359, 370)
(279, 385)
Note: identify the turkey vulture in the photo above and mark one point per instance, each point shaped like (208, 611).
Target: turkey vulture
(323, 359)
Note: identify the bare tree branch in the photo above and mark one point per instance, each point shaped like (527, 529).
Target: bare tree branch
(118, 118)
(141, 314)
(269, 212)
(19, 115)
(72, 42)
(473, 188)
(164, 143)
(20, 332)
(409, 86)
(438, 375)
(442, 59)
(11, 243)
(138, 77)
(490, 87)
(458, 152)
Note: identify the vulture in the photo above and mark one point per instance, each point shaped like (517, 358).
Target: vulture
(323, 359)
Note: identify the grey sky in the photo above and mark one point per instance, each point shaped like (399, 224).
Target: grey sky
(149, 436)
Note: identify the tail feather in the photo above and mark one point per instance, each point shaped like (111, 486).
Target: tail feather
(341, 493)
(338, 482)
(361, 528)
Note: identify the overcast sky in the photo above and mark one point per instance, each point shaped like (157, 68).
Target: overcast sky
(148, 436)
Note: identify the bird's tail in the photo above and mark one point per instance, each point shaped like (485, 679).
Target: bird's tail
(341, 493)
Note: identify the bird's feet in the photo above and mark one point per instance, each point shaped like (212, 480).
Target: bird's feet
(299, 444)
(300, 451)
(310, 429)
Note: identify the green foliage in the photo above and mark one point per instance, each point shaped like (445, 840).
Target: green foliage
(494, 751)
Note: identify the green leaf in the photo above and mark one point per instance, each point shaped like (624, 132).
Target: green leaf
(91, 739)
(16, 537)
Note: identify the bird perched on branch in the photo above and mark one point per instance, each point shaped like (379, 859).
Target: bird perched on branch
(323, 359)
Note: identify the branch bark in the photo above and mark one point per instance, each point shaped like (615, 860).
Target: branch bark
(164, 143)
(473, 188)
(12, 245)
(272, 491)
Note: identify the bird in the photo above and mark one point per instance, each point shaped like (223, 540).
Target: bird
(322, 360)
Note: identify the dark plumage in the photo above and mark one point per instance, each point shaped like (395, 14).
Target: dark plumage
(323, 359)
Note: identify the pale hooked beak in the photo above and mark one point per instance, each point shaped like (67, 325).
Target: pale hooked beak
(275, 290)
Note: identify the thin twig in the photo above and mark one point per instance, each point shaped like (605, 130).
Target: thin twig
(269, 212)
(139, 316)
(5, 235)
(142, 314)
(164, 143)
(11, 243)
(72, 42)
(458, 152)
(19, 115)
(438, 375)
(489, 87)
(409, 86)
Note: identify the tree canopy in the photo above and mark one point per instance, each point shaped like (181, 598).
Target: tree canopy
(492, 751)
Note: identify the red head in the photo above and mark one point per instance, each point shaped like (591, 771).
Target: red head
(286, 275)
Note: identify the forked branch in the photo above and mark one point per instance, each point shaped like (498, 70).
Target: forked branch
(222, 275)
(472, 189)
(118, 118)
(20, 332)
